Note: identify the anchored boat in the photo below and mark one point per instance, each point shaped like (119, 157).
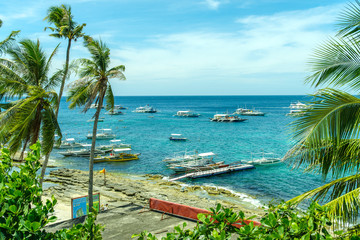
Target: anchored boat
(177, 137)
(85, 152)
(186, 114)
(118, 155)
(226, 118)
(146, 109)
(248, 112)
(68, 143)
(102, 134)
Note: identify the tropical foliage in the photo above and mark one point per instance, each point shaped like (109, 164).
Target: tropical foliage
(327, 135)
(26, 76)
(23, 214)
(4, 44)
(283, 221)
(94, 85)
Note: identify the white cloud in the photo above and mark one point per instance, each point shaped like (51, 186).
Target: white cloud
(262, 49)
(212, 4)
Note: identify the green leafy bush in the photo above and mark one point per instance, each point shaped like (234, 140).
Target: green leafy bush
(281, 221)
(22, 213)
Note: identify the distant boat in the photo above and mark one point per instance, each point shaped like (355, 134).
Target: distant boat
(248, 112)
(93, 106)
(186, 114)
(118, 155)
(114, 112)
(146, 109)
(85, 152)
(298, 105)
(226, 118)
(119, 107)
(93, 120)
(297, 109)
(266, 159)
(177, 137)
(114, 144)
(102, 134)
(68, 143)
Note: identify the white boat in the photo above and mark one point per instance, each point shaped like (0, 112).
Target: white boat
(119, 107)
(226, 118)
(182, 157)
(177, 137)
(146, 109)
(68, 143)
(93, 120)
(102, 134)
(85, 152)
(186, 114)
(266, 159)
(114, 112)
(248, 112)
(114, 144)
(94, 106)
(298, 105)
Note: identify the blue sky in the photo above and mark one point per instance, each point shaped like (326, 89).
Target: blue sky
(193, 47)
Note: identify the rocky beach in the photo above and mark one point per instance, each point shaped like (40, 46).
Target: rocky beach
(117, 189)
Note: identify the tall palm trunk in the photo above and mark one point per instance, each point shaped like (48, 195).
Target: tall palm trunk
(91, 163)
(46, 161)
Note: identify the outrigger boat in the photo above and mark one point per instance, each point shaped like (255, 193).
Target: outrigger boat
(197, 166)
(118, 155)
(116, 143)
(102, 134)
(226, 118)
(68, 143)
(266, 159)
(177, 137)
(184, 157)
(85, 152)
(114, 112)
(186, 114)
(248, 112)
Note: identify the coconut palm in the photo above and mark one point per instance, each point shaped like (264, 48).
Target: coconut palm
(327, 135)
(65, 27)
(94, 85)
(31, 116)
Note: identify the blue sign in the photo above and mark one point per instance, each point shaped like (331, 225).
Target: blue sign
(80, 206)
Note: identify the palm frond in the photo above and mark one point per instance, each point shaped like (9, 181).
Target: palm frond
(349, 21)
(8, 41)
(326, 136)
(109, 98)
(336, 63)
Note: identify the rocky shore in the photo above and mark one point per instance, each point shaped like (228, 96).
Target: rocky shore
(119, 188)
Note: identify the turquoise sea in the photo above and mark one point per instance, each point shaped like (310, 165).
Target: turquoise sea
(230, 141)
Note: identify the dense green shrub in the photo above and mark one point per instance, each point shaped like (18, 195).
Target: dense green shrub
(23, 215)
(282, 221)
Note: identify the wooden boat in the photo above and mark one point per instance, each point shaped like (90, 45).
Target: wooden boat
(118, 155)
(177, 137)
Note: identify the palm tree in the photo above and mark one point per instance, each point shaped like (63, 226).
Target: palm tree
(327, 135)
(26, 76)
(94, 85)
(65, 27)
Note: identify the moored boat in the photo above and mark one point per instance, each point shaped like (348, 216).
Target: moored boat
(102, 134)
(114, 112)
(145, 109)
(85, 152)
(226, 118)
(119, 107)
(248, 112)
(68, 143)
(186, 114)
(114, 144)
(118, 155)
(177, 137)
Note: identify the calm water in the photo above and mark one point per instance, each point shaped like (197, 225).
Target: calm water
(230, 141)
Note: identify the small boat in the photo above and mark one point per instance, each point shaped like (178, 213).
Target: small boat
(146, 109)
(114, 112)
(186, 114)
(118, 155)
(248, 112)
(177, 137)
(85, 152)
(94, 106)
(114, 144)
(298, 105)
(68, 143)
(296, 112)
(182, 157)
(93, 120)
(102, 134)
(119, 107)
(226, 118)
(266, 159)
(194, 167)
